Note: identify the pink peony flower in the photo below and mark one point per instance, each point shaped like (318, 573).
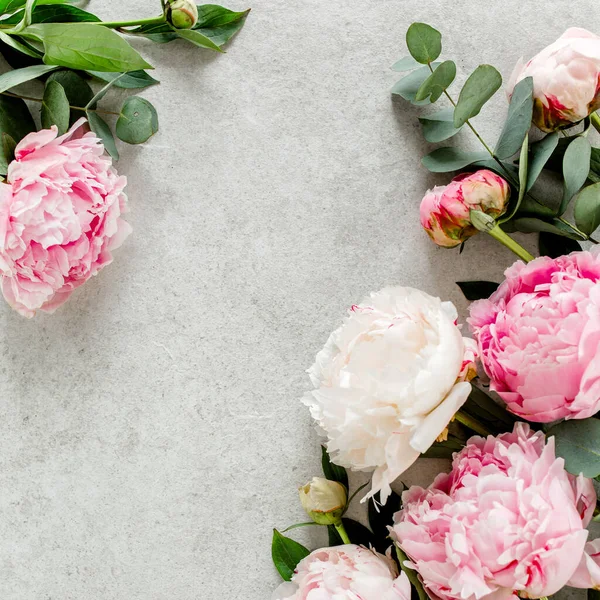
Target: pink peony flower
(345, 573)
(539, 337)
(60, 217)
(566, 78)
(587, 574)
(445, 210)
(508, 518)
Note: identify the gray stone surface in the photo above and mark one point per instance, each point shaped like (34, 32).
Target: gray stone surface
(150, 431)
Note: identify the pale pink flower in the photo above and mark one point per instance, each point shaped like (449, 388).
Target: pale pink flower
(566, 78)
(508, 518)
(539, 337)
(587, 574)
(60, 217)
(345, 573)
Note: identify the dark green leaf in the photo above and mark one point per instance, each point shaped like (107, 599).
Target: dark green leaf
(197, 38)
(213, 15)
(9, 6)
(439, 126)
(408, 63)
(518, 121)
(286, 554)
(78, 92)
(481, 85)
(55, 107)
(15, 43)
(104, 90)
(595, 161)
(476, 290)
(332, 471)
(593, 594)
(587, 208)
(409, 85)
(221, 35)
(8, 147)
(412, 575)
(492, 165)
(424, 42)
(15, 118)
(85, 46)
(137, 121)
(540, 152)
(357, 533)
(102, 130)
(18, 76)
(578, 442)
(523, 159)
(531, 224)
(553, 245)
(483, 408)
(444, 160)
(62, 13)
(435, 85)
(444, 449)
(576, 166)
(380, 517)
(132, 80)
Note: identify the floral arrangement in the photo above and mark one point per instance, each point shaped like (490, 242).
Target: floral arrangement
(517, 406)
(61, 199)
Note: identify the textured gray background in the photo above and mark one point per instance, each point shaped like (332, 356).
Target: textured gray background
(150, 431)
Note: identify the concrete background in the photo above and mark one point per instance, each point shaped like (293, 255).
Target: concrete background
(150, 431)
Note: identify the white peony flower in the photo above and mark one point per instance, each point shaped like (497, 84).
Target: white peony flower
(389, 381)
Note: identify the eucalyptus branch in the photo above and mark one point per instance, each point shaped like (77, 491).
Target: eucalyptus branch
(81, 108)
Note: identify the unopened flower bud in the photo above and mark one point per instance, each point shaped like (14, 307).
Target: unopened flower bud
(182, 14)
(323, 500)
(446, 211)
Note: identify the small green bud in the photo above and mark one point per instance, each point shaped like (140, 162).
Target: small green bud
(324, 501)
(182, 14)
(482, 221)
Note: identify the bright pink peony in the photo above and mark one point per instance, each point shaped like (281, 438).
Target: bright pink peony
(539, 337)
(445, 210)
(345, 573)
(60, 217)
(508, 518)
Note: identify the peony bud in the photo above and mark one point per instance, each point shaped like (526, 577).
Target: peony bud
(323, 500)
(446, 210)
(182, 14)
(565, 79)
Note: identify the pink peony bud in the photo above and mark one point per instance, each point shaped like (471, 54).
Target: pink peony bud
(445, 210)
(566, 78)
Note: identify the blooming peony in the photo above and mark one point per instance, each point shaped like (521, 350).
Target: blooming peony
(539, 337)
(389, 381)
(60, 217)
(445, 210)
(345, 573)
(566, 78)
(587, 574)
(508, 518)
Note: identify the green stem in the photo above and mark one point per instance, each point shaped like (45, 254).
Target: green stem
(342, 532)
(595, 119)
(507, 241)
(472, 423)
(118, 24)
(82, 108)
(585, 236)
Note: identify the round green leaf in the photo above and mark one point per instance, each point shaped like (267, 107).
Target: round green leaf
(137, 122)
(424, 42)
(78, 92)
(587, 208)
(435, 85)
(439, 126)
(481, 85)
(409, 85)
(578, 442)
(55, 107)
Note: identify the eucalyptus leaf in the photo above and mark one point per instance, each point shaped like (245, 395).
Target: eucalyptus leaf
(103, 91)
(439, 126)
(587, 209)
(15, 118)
(408, 63)
(13, 78)
(477, 290)
(99, 126)
(424, 42)
(483, 408)
(132, 80)
(553, 245)
(481, 85)
(531, 225)
(409, 85)
(518, 121)
(437, 83)
(523, 163)
(444, 160)
(137, 121)
(576, 166)
(578, 442)
(540, 152)
(412, 575)
(55, 107)
(286, 554)
(78, 91)
(7, 153)
(197, 38)
(85, 46)
(332, 471)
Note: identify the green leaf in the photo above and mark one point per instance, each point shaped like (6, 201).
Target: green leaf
(408, 63)
(62, 13)
(439, 126)
(540, 152)
(213, 15)
(448, 159)
(358, 534)
(435, 85)
(380, 517)
(444, 449)
(332, 471)
(424, 42)
(576, 166)
(523, 160)
(102, 130)
(409, 85)
(221, 35)
(137, 121)
(8, 147)
(197, 38)
(18, 76)
(412, 575)
(17, 44)
(578, 442)
(78, 92)
(481, 85)
(132, 80)
(518, 121)
(9, 6)
(593, 594)
(587, 209)
(28, 12)
(55, 107)
(286, 554)
(477, 290)
(553, 245)
(15, 118)
(483, 408)
(531, 225)
(85, 46)
(103, 91)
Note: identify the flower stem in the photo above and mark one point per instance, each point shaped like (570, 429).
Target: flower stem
(339, 527)
(595, 119)
(118, 24)
(507, 241)
(472, 423)
(82, 108)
